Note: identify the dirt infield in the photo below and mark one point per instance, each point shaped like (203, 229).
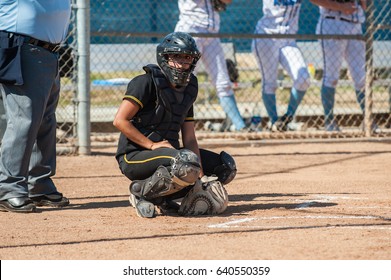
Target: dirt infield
(289, 201)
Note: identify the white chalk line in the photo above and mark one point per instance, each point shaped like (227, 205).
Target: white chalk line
(320, 199)
(333, 197)
(234, 223)
(228, 224)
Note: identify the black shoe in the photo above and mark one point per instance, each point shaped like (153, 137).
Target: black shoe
(17, 204)
(282, 123)
(52, 200)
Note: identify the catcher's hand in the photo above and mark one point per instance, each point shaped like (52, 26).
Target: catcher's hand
(219, 6)
(207, 197)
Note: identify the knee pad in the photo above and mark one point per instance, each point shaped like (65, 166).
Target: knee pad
(226, 172)
(185, 168)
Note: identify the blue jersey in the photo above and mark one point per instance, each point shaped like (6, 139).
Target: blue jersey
(46, 20)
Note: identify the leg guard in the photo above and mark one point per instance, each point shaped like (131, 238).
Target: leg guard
(159, 184)
(185, 169)
(226, 172)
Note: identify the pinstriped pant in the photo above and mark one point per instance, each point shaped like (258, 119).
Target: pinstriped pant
(28, 150)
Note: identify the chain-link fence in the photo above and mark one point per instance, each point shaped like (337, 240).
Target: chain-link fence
(123, 39)
(67, 108)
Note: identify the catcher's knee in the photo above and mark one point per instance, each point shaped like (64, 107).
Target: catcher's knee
(185, 169)
(226, 172)
(209, 198)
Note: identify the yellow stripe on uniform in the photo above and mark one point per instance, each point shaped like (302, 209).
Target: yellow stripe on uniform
(134, 99)
(145, 160)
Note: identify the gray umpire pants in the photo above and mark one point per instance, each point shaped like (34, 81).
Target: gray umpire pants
(28, 149)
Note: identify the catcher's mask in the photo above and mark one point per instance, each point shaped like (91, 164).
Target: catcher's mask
(177, 43)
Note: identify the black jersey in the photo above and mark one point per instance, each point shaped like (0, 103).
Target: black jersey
(161, 114)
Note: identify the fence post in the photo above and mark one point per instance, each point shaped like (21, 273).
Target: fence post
(83, 81)
(369, 35)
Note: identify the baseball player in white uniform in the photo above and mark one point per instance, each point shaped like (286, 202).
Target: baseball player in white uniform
(280, 17)
(341, 17)
(200, 16)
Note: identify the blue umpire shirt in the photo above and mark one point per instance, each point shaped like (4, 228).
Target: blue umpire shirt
(45, 20)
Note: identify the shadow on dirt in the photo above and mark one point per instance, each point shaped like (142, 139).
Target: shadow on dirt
(252, 174)
(265, 205)
(91, 205)
(245, 208)
(189, 234)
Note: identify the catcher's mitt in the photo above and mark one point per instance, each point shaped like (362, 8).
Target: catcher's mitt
(233, 71)
(205, 198)
(219, 6)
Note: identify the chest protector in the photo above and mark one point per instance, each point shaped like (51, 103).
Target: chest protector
(165, 119)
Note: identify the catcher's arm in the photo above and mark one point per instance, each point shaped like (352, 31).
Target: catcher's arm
(189, 140)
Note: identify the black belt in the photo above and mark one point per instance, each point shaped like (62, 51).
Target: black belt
(340, 18)
(49, 46)
(35, 42)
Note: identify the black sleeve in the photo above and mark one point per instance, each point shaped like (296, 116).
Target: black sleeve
(141, 90)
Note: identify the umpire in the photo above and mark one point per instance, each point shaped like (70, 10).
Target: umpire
(30, 37)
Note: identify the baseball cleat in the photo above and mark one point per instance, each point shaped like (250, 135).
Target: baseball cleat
(374, 128)
(272, 127)
(282, 123)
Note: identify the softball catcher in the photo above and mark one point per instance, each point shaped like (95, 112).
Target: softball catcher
(156, 107)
